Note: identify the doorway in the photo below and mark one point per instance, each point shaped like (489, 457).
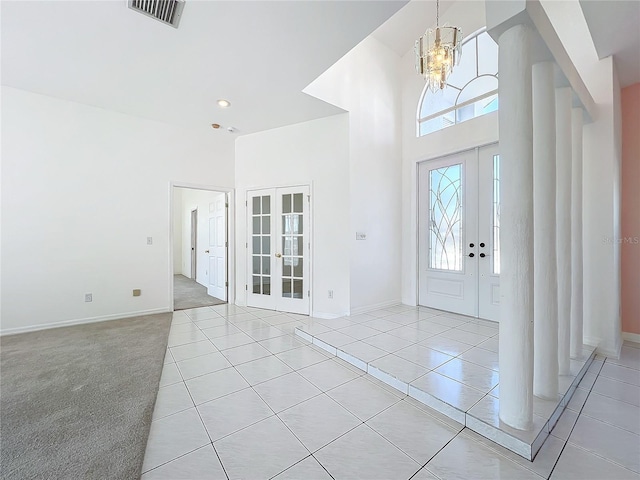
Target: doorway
(200, 243)
(278, 249)
(459, 226)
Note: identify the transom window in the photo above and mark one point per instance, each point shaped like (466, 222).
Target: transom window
(472, 87)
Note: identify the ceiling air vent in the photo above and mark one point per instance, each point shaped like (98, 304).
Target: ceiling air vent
(167, 11)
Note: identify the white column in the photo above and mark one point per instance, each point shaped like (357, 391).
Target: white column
(516, 228)
(545, 280)
(563, 221)
(576, 233)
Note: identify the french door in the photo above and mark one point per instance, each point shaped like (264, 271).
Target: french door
(459, 222)
(278, 249)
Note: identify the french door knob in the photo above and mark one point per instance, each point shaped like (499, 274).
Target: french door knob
(472, 254)
(278, 255)
(471, 245)
(482, 245)
(206, 251)
(482, 255)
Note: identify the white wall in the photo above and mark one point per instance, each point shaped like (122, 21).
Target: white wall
(601, 176)
(177, 232)
(82, 189)
(470, 17)
(199, 200)
(365, 82)
(313, 153)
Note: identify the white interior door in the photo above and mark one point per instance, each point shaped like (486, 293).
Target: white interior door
(217, 250)
(278, 249)
(447, 234)
(194, 244)
(459, 250)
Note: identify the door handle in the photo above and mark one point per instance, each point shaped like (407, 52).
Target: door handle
(482, 255)
(482, 245)
(206, 251)
(278, 255)
(471, 255)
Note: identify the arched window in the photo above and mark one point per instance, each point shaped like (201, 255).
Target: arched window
(472, 87)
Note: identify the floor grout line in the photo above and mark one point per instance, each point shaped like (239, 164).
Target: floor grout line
(361, 374)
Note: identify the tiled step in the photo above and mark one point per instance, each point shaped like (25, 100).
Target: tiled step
(475, 407)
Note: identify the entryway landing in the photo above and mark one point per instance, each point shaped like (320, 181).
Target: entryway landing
(446, 361)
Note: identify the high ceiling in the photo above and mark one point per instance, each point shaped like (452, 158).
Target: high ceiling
(615, 29)
(258, 55)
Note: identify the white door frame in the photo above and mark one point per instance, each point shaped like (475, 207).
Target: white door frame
(231, 234)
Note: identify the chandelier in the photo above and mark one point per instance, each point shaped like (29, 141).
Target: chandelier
(437, 51)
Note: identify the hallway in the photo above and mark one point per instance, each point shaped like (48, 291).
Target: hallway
(188, 293)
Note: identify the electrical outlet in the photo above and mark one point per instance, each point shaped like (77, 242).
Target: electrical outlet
(330, 293)
(88, 297)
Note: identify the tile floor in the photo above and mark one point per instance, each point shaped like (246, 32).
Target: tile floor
(446, 361)
(241, 397)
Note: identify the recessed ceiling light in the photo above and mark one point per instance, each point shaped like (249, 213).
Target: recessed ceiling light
(224, 103)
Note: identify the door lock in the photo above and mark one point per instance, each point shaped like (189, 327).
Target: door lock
(278, 255)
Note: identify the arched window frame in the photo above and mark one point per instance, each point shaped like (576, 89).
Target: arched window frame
(456, 106)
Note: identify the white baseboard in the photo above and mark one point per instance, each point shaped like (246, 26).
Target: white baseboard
(632, 337)
(601, 350)
(80, 321)
(328, 316)
(369, 308)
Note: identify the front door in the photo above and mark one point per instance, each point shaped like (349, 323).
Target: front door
(278, 249)
(459, 261)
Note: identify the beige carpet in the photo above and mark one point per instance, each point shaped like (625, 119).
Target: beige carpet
(188, 293)
(76, 402)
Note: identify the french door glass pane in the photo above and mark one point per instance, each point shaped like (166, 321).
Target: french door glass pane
(292, 224)
(496, 214)
(445, 222)
(286, 203)
(286, 287)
